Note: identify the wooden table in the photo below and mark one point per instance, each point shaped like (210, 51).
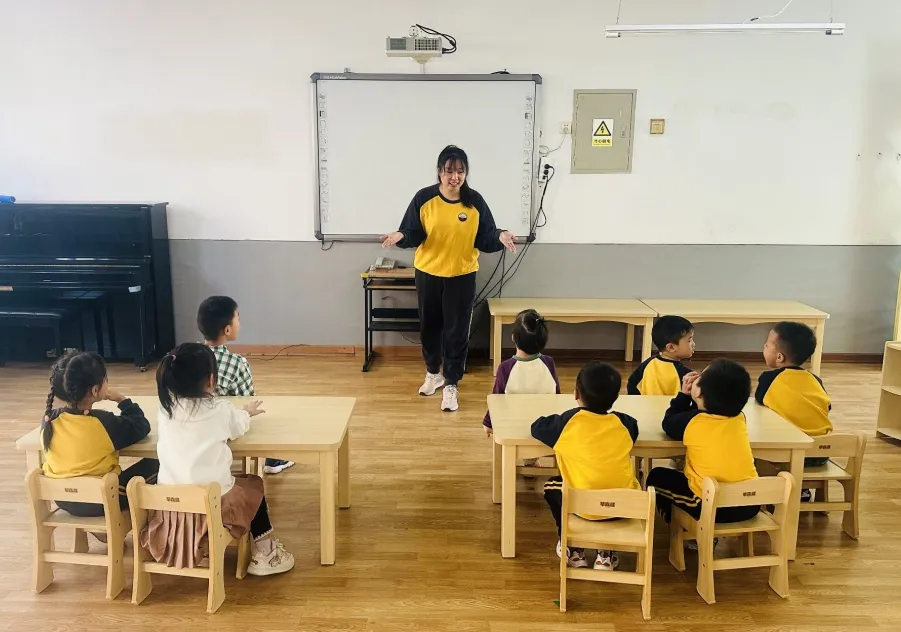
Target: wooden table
(302, 429)
(746, 312)
(632, 312)
(772, 438)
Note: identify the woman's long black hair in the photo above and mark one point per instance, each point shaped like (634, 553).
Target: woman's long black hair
(72, 379)
(453, 155)
(184, 373)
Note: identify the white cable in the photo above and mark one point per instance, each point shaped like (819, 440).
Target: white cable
(767, 17)
(548, 152)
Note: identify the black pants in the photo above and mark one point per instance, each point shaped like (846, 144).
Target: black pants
(815, 461)
(672, 489)
(260, 526)
(553, 496)
(147, 468)
(445, 311)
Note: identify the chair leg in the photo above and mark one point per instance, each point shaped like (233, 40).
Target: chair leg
(563, 569)
(216, 592)
(851, 519)
(749, 544)
(244, 551)
(644, 561)
(822, 495)
(779, 573)
(42, 571)
(142, 584)
(80, 543)
(115, 571)
(705, 567)
(676, 546)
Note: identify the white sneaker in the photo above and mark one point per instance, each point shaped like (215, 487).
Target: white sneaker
(575, 558)
(277, 560)
(433, 381)
(449, 399)
(606, 561)
(276, 466)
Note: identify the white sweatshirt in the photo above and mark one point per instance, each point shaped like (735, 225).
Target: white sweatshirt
(193, 442)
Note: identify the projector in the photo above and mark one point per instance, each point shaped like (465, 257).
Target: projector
(421, 49)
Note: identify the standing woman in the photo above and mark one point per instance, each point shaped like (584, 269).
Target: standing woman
(448, 223)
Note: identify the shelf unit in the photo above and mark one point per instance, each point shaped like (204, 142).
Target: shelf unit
(888, 422)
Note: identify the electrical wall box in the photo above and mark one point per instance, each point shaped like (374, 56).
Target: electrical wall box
(602, 131)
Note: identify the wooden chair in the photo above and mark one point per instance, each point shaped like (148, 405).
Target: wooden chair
(635, 533)
(817, 478)
(199, 499)
(774, 490)
(86, 489)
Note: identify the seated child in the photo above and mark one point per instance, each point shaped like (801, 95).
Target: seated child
(707, 417)
(194, 430)
(592, 446)
(219, 322)
(528, 371)
(80, 441)
(793, 392)
(662, 374)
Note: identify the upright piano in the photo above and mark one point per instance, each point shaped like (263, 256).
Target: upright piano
(103, 262)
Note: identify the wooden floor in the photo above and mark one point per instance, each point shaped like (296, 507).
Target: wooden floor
(419, 548)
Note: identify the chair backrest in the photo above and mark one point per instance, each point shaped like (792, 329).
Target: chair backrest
(613, 503)
(186, 498)
(83, 489)
(839, 445)
(197, 499)
(770, 490)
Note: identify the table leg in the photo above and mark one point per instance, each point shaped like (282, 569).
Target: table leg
(646, 339)
(817, 360)
(32, 459)
(490, 337)
(508, 502)
(344, 472)
(630, 341)
(327, 507)
(497, 329)
(496, 473)
(794, 506)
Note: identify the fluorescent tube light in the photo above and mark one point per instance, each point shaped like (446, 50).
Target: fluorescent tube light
(827, 28)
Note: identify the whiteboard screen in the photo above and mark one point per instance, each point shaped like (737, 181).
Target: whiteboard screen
(378, 139)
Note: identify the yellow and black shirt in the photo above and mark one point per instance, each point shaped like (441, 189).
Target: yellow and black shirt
(798, 396)
(448, 235)
(87, 443)
(592, 450)
(657, 376)
(715, 445)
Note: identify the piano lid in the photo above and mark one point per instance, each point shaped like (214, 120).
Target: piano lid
(83, 230)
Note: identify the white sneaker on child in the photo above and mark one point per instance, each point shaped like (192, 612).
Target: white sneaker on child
(606, 561)
(270, 560)
(277, 465)
(433, 381)
(575, 558)
(449, 399)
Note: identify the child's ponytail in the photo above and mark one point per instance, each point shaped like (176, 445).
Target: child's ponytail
(164, 383)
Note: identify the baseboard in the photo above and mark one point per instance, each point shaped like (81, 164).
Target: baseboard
(413, 351)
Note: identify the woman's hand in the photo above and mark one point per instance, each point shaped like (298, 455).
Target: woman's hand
(392, 239)
(254, 408)
(508, 240)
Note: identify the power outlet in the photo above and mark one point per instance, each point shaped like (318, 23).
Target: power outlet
(566, 128)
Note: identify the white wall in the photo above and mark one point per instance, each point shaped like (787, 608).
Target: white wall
(205, 104)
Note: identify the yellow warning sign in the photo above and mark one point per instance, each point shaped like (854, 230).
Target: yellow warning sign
(602, 133)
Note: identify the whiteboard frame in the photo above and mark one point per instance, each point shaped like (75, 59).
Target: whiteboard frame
(354, 76)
